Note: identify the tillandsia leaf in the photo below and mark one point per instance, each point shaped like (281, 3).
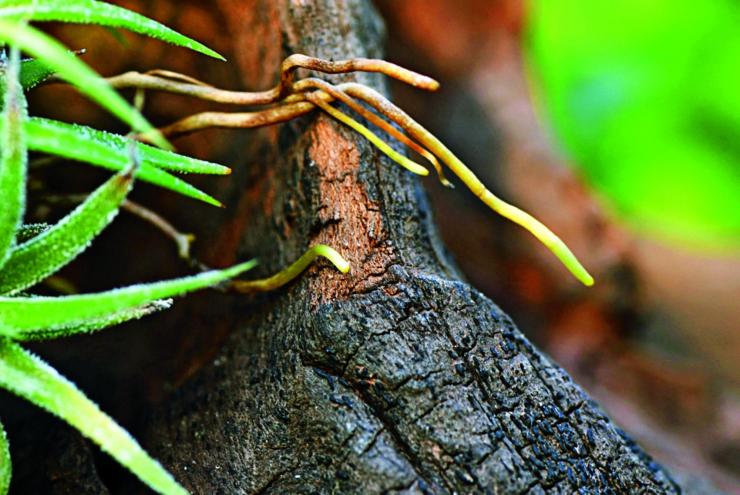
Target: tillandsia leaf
(46, 253)
(32, 74)
(13, 159)
(32, 379)
(100, 13)
(52, 53)
(108, 151)
(5, 464)
(23, 317)
(104, 322)
(54, 137)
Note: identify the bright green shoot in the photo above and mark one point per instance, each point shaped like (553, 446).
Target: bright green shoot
(31, 378)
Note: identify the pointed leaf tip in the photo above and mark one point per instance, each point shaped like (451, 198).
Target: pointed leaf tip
(53, 54)
(29, 377)
(102, 14)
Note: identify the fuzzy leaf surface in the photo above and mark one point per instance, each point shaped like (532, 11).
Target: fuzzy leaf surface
(94, 325)
(109, 151)
(50, 136)
(23, 317)
(49, 251)
(100, 13)
(55, 56)
(32, 74)
(31, 378)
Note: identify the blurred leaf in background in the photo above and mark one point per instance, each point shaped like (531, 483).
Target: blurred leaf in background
(645, 98)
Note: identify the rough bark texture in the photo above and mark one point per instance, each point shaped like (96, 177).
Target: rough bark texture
(398, 378)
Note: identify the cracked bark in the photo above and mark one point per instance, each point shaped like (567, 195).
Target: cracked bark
(399, 378)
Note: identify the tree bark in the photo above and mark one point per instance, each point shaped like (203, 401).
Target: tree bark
(397, 378)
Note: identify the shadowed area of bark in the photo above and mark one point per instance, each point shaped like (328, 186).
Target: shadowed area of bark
(397, 378)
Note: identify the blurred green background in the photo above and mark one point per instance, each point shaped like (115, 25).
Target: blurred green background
(643, 97)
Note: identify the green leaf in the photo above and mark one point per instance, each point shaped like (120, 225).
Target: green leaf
(104, 322)
(100, 13)
(46, 253)
(67, 66)
(32, 74)
(56, 137)
(31, 378)
(5, 464)
(105, 150)
(22, 317)
(13, 160)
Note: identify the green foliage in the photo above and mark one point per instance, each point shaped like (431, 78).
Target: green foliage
(100, 13)
(109, 151)
(55, 56)
(32, 74)
(23, 318)
(643, 96)
(46, 253)
(29, 377)
(29, 253)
